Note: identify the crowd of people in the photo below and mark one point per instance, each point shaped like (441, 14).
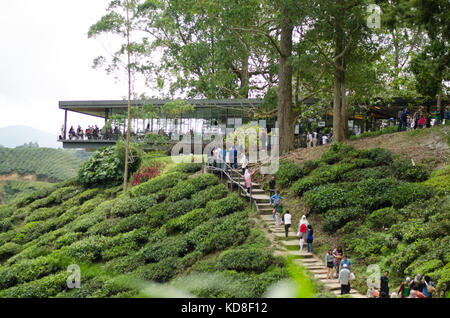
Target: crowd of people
(317, 138)
(90, 133)
(419, 119)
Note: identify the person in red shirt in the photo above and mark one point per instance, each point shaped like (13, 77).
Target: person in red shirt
(422, 122)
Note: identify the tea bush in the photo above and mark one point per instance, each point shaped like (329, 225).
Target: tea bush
(404, 170)
(382, 218)
(406, 193)
(253, 259)
(288, 172)
(379, 156)
(88, 249)
(338, 152)
(225, 206)
(162, 182)
(335, 219)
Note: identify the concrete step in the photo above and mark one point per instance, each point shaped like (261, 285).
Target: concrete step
(332, 286)
(265, 212)
(318, 271)
(291, 235)
(267, 218)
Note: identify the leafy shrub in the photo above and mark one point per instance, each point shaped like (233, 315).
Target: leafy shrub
(325, 197)
(406, 193)
(125, 264)
(182, 190)
(288, 172)
(176, 246)
(310, 165)
(305, 184)
(88, 249)
(186, 222)
(218, 234)
(406, 254)
(159, 272)
(379, 156)
(188, 168)
(337, 218)
(338, 152)
(156, 184)
(404, 170)
(125, 206)
(382, 218)
(129, 223)
(373, 194)
(225, 206)
(67, 239)
(105, 167)
(9, 249)
(200, 199)
(332, 173)
(379, 172)
(440, 179)
(144, 175)
(382, 131)
(43, 288)
(253, 259)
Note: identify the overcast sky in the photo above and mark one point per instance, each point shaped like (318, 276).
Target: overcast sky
(45, 57)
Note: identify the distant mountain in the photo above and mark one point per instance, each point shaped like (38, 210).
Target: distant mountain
(14, 136)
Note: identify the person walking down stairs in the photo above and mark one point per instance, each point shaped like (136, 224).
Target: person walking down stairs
(329, 260)
(302, 230)
(287, 222)
(248, 180)
(278, 210)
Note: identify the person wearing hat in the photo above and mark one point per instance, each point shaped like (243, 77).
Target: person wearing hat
(344, 280)
(404, 289)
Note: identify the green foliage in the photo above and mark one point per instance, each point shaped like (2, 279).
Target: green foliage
(9, 249)
(440, 179)
(88, 249)
(379, 156)
(253, 259)
(382, 131)
(188, 168)
(406, 193)
(326, 197)
(106, 166)
(382, 218)
(338, 152)
(404, 170)
(337, 218)
(357, 175)
(288, 172)
(125, 206)
(157, 184)
(225, 206)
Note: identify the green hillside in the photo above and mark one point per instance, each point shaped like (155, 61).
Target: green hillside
(381, 209)
(46, 163)
(14, 189)
(181, 228)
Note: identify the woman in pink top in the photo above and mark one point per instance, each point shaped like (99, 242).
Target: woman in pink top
(248, 179)
(422, 122)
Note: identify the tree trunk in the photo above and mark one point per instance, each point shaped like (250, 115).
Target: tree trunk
(284, 113)
(339, 104)
(244, 77)
(439, 102)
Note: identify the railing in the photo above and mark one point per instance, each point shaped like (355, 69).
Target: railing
(232, 180)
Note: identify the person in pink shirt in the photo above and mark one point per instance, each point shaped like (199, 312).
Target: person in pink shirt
(248, 179)
(422, 122)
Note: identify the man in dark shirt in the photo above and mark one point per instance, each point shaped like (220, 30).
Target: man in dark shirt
(272, 183)
(384, 283)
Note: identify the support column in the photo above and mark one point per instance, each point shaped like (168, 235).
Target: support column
(65, 125)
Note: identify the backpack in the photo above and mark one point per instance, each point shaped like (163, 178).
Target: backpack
(310, 235)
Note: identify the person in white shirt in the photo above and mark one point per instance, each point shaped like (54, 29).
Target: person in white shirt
(287, 222)
(344, 280)
(244, 163)
(309, 139)
(314, 139)
(324, 139)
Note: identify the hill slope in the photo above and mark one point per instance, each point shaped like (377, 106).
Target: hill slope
(46, 164)
(14, 136)
(381, 210)
(179, 227)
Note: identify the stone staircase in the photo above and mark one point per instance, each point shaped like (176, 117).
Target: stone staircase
(290, 247)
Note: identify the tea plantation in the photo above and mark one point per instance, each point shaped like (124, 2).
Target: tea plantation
(167, 230)
(383, 211)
